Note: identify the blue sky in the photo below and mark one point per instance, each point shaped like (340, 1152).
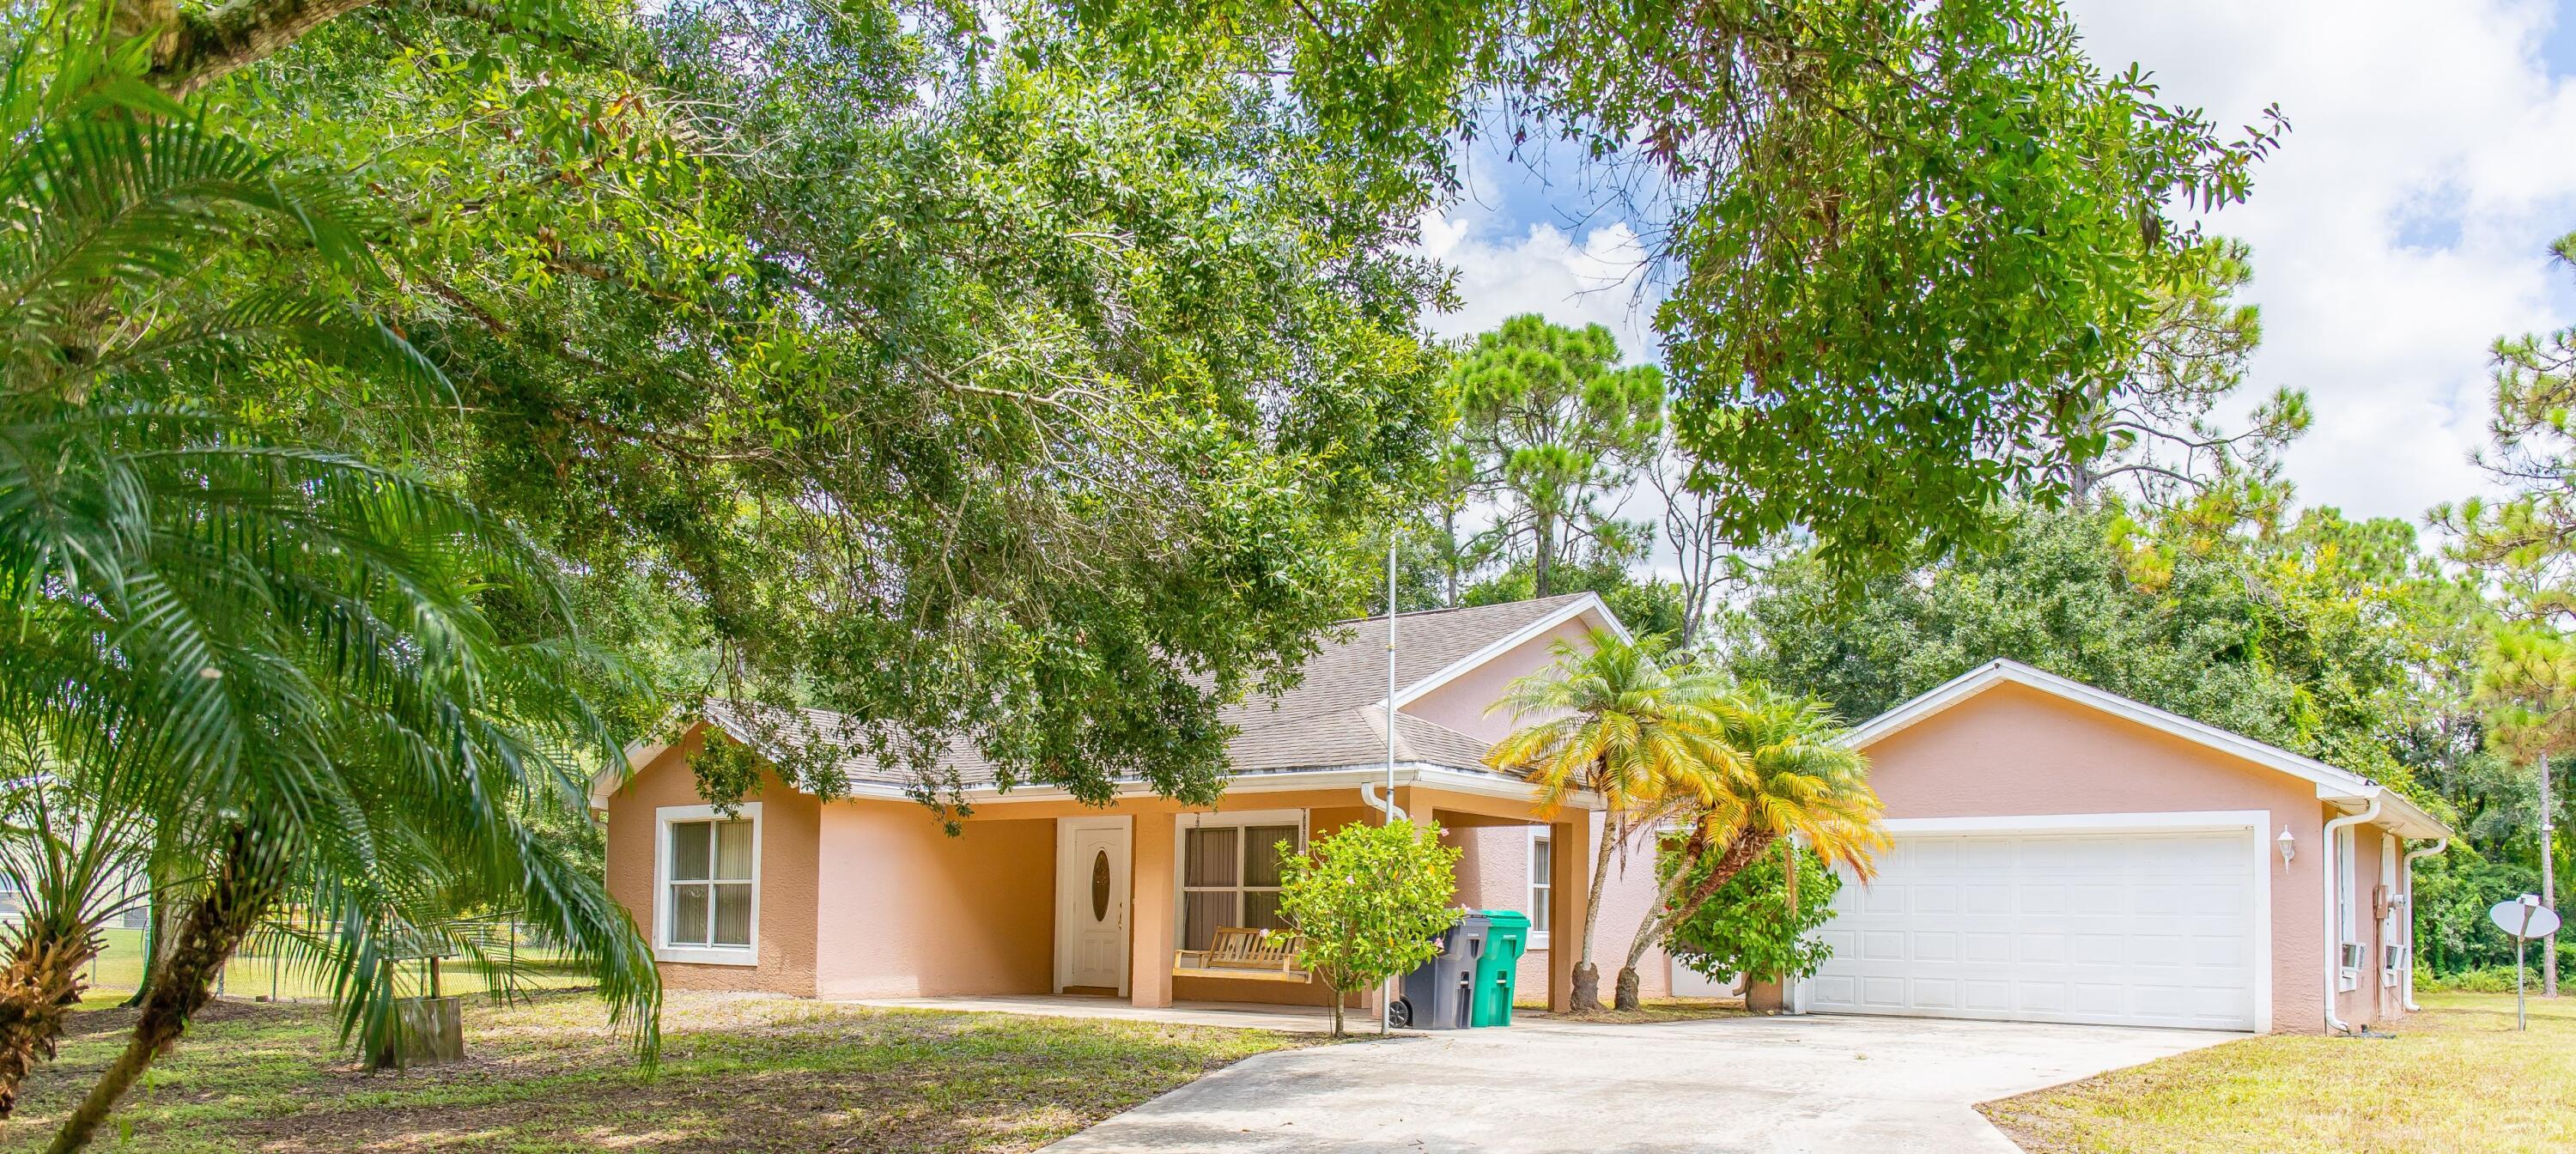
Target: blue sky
(2401, 228)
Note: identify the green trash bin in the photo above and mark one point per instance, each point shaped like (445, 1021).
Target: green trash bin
(1498, 967)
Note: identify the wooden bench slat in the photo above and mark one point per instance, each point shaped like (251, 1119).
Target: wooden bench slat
(1244, 953)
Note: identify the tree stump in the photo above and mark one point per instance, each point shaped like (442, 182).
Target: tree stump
(1765, 995)
(432, 1033)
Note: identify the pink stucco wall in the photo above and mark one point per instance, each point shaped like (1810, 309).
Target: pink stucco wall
(908, 910)
(2017, 751)
(1461, 704)
(1495, 875)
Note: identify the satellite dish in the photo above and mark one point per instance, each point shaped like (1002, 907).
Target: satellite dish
(2526, 921)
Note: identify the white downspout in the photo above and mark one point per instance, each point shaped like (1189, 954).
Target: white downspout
(2334, 925)
(2406, 981)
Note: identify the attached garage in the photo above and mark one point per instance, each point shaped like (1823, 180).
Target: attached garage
(2063, 854)
(2154, 927)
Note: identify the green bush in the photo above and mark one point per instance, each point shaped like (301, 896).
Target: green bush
(2485, 980)
(1745, 927)
(1366, 902)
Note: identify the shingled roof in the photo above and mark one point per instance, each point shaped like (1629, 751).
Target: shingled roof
(1334, 717)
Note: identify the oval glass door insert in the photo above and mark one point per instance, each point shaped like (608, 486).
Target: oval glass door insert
(1100, 886)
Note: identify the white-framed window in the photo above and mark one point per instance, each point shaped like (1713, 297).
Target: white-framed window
(2392, 928)
(1229, 873)
(707, 885)
(9, 903)
(1542, 884)
(2347, 913)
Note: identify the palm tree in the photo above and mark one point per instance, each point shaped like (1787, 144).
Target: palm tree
(1619, 725)
(1793, 781)
(267, 664)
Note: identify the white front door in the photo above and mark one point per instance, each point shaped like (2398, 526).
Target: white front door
(2140, 928)
(1091, 902)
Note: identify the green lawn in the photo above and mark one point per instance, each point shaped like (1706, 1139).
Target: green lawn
(2457, 1077)
(738, 1072)
(120, 967)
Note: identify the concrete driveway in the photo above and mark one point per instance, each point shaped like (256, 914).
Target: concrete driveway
(1875, 1085)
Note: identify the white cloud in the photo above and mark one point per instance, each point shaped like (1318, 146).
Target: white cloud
(2401, 227)
(2399, 230)
(1597, 280)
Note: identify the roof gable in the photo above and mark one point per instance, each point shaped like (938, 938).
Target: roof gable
(2333, 783)
(1334, 718)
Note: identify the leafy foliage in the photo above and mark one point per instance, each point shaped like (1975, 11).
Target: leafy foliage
(1746, 926)
(1368, 902)
(996, 385)
(262, 662)
(2316, 635)
(1549, 427)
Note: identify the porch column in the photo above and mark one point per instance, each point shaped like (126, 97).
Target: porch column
(1149, 980)
(1569, 899)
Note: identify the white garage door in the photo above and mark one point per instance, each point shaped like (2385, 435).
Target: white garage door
(2150, 929)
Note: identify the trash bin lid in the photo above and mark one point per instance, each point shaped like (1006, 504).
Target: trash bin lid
(1506, 919)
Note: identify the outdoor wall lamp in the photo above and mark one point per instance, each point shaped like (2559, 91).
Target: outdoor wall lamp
(2289, 845)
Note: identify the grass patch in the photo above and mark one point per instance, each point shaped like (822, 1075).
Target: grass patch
(2457, 1077)
(119, 968)
(739, 1072)
(1649, 1010)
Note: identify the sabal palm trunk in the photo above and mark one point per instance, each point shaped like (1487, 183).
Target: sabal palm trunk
(241, 892)
(1587, 973)
(37, 993)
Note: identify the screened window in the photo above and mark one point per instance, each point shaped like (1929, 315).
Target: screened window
(2347, 912)
(1542, 881)
(1230, 877)
(711, 883)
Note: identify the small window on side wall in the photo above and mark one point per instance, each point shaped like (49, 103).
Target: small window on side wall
(710, 883)
(1542, 882)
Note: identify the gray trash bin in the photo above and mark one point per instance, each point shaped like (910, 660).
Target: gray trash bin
(1440, 994)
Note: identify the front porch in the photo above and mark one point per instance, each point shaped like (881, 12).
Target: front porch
(1137, 892)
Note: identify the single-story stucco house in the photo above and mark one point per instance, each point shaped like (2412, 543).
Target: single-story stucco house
(2060, 854)
(867, 896)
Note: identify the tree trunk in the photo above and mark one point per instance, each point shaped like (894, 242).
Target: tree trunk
(1587, 975)
(2548, 884)
(1540, 563)
(243, 888)
(37, 993)
(1747, 846)
(1650, 930)
(1449, 552)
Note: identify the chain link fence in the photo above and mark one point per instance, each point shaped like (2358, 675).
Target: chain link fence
(264, 969)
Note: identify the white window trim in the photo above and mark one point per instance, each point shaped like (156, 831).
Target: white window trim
(1181, 849)
(2392, 955)
(2347, 912)
(663, 819)
(1538, 939)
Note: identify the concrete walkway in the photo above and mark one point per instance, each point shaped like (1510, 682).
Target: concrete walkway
(1872, 1085)
(1241, 1015)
